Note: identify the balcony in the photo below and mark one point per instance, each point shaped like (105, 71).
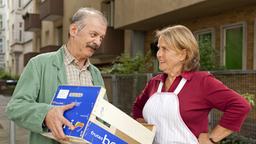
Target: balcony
(28, 56)
(49, 48)
(51, 10)
(168, 12)
(32, 22)
(16, 47)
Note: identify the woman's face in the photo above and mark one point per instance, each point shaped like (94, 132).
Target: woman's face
(169, 58)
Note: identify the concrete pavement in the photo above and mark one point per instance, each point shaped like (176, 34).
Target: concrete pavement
(21, 134)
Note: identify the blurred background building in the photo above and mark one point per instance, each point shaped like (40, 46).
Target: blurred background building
(4, 18)
(39, 26)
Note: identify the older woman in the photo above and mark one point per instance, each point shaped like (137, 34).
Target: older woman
(179, 100)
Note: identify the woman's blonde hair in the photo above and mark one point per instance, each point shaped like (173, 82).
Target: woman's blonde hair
(180, 37)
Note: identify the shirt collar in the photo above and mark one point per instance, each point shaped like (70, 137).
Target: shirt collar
(70, 59)
(187, 75)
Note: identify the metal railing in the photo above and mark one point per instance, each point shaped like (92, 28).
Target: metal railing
(12, 124)
(123, 89)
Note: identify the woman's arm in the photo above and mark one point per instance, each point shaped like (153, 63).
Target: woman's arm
(141, 120)
(234, 107)
(140, 101)
(216, 135)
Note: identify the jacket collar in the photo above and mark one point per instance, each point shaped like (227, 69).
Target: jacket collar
(58, 62)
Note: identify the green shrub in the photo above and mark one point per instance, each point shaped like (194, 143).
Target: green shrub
(127, 65)
(207, 55)
(5, 76)
(250, 98)
(237, 139)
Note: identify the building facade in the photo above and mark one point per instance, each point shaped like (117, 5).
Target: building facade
(16, 36)
(40, 26)
(228, 24)
(3, 33)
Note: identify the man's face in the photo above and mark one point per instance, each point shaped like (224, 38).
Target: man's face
(88, 39)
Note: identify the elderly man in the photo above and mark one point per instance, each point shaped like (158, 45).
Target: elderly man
(30, 104)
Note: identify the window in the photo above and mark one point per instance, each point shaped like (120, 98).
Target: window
(19, 4)
(20, 32)
(1, 45)
(13, 38)
(1, 21)
(254, 55)
(107, 8)
(233, 46)
(59, 34)
(20, 35)
(206, 42)
(206, 37)
(47, 35)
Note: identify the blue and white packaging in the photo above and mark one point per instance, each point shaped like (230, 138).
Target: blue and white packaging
(86, 131)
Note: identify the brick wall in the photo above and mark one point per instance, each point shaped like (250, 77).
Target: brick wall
(244, 14)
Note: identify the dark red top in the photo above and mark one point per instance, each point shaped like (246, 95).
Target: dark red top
(200, 94)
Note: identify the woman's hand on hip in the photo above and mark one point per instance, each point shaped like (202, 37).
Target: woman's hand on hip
(204, 138)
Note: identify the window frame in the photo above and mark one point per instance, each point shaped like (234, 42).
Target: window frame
(205, 31)
(1, 22)
(254, 45)
(223, 29)
(2, 43)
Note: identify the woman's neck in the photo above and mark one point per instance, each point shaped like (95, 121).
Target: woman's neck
(171, 75)
(174, 72)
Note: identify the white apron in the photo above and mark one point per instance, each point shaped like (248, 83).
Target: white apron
(162, 110)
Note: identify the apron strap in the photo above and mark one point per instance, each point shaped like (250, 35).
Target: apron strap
(159, 89)
(180, 86)
(177, 90)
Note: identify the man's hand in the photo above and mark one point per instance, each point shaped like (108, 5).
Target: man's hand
(55, 120)
(141, 120)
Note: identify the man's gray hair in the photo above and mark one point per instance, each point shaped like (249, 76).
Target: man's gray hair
(83, 13)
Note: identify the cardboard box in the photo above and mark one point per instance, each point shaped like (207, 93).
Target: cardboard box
(96, 120)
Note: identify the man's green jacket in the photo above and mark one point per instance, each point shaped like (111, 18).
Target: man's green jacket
(34, 91)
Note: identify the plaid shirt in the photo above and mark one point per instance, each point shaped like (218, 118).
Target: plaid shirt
(76, 76)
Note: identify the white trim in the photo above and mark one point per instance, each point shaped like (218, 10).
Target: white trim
(159, 89)
(223, 29)
(180, 86)
(204, 31)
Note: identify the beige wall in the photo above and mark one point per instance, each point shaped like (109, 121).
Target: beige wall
(30, 42)
(245, 14)
(131, 11)
(32, 6)
(47, 33)
(70, 7)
